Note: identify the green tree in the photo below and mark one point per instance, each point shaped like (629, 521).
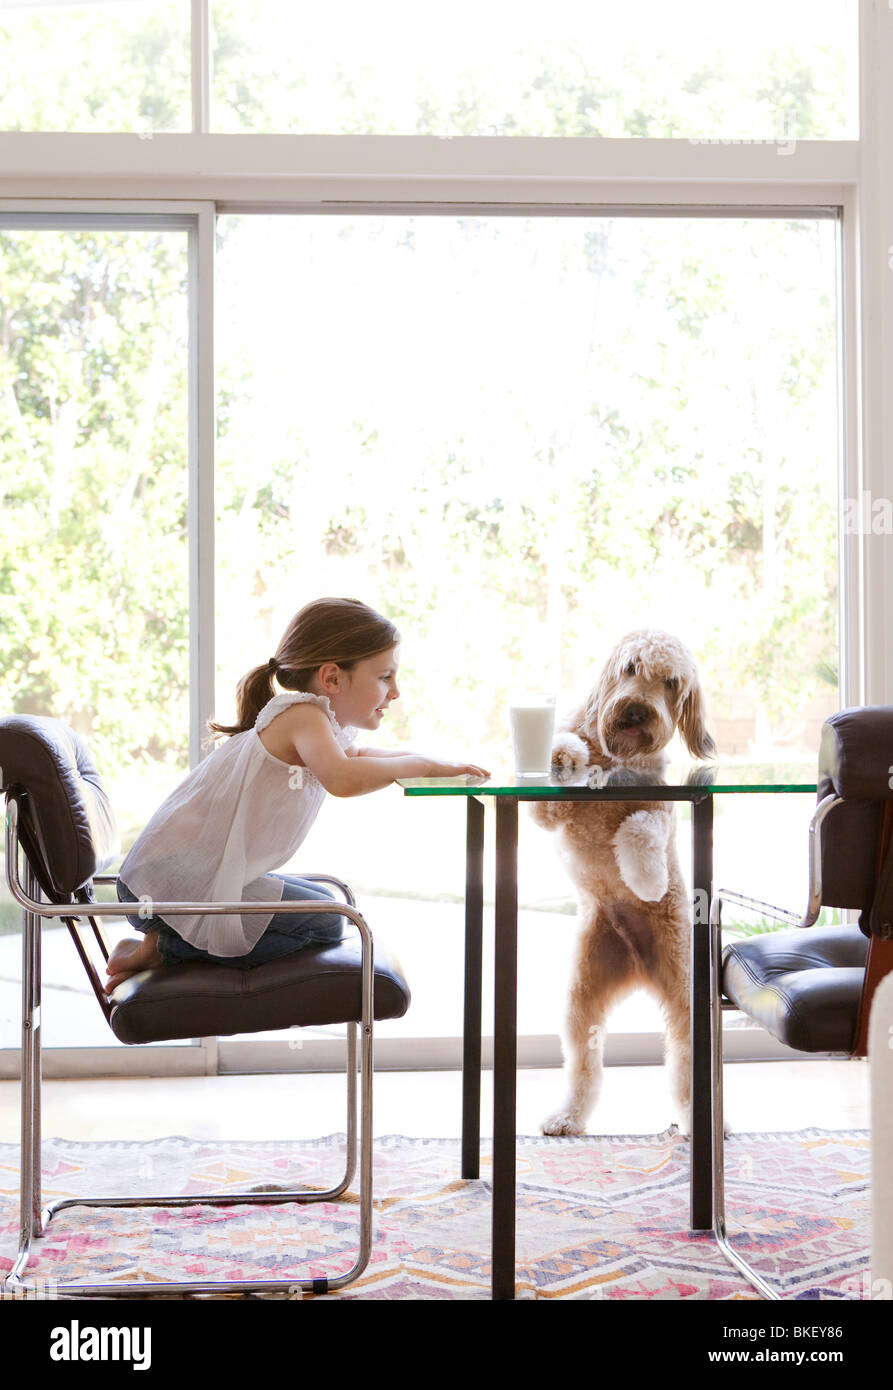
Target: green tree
(93, 447)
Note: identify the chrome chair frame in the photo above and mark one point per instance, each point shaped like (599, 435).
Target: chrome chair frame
(35, 1220)
(717, 1004)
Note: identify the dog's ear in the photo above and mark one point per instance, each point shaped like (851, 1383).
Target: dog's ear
(597, 697)
(692, 725)
(589, 716)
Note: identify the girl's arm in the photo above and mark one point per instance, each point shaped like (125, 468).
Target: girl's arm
(353, 752)
(315, 745)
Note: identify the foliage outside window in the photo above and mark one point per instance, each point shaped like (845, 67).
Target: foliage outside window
(584, 68)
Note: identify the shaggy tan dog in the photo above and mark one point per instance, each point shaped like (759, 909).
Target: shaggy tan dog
(634, 908)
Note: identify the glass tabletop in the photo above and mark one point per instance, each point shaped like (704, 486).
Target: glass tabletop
(676, 781)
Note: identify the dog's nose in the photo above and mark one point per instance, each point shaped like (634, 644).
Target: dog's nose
(634, 715)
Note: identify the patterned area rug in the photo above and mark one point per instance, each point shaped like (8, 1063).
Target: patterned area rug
(598, 1218)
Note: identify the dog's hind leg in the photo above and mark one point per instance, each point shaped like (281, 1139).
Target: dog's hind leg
(677, 1056)
(584, 1048)
(599, 978)
(671, 987)
(677, 1059)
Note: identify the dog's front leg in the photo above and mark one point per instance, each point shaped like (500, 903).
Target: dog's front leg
(640, 849)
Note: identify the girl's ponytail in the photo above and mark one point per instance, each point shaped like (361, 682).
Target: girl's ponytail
(254, 690)
(342, 630)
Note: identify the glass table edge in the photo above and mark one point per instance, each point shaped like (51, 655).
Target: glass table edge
(419, 786)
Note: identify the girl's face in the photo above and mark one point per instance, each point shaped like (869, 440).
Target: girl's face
(361, 697)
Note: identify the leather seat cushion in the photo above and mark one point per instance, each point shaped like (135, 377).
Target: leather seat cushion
(315, 986)
(803, 986)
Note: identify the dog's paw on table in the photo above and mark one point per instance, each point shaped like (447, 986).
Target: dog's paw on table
(570, 757)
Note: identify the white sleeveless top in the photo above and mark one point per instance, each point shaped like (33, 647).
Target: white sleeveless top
(235, 817)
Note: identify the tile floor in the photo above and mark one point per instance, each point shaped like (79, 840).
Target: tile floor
(759, 1096)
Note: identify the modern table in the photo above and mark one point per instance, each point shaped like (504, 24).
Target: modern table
(696, 783)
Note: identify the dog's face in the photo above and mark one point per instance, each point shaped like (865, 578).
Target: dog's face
(648, 689)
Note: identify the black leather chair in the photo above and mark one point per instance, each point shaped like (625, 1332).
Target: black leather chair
(59, 816)
(812, 989)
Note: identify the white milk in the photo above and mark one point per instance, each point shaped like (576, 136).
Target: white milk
(533, 723)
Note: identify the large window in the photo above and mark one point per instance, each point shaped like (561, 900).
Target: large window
(690, 70)
(521, 438)
(102, 65)
(94, 574)
(515, 67)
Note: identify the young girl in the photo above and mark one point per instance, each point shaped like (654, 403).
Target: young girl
(246, 809)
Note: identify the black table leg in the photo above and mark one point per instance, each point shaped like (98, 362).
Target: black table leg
(701, 1195)
(505, 1047)
(471, 1034)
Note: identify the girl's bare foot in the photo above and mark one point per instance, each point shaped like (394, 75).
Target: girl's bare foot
(130, 957)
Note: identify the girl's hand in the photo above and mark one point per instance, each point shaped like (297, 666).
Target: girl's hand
(439, 769)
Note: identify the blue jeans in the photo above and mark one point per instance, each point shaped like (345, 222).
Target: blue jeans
(286, 932)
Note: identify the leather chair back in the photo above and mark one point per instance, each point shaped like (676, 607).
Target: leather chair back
(856, 763)
(66, 823)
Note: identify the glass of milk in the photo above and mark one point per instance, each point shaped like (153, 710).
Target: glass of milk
(532, 719)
